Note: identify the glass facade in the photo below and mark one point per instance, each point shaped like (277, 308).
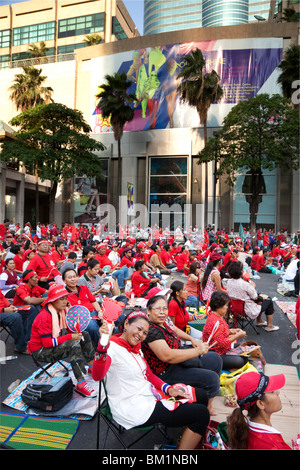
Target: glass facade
(171, 15)
(117, 29)
(81, 25)
(168, 191)
(34, 33)
(224, 13)
(5, 38)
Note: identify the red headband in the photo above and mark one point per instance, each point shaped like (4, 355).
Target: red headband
(137, 314)
(29, 275)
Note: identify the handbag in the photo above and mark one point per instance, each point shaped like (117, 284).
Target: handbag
(227, 380)
(256, 354)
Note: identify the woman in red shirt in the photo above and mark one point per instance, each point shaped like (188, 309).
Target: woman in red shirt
(258, 394)
(223, 337)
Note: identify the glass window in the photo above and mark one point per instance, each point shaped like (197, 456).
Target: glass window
(117, 29)
(34, 33)
(81, 25)
(5, 38)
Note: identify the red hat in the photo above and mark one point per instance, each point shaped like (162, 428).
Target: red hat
(251, 386)
(101, 245)
(27, 252)
(141, 245)
(215, 255)
(55, 292)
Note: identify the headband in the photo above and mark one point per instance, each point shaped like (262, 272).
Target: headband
(29, 275)
(249, 400)
(137, 314)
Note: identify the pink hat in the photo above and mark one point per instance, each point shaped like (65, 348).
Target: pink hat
(55, 292)
(251, 386)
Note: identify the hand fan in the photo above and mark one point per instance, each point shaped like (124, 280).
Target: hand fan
(111, 310)
(24, 307)
(214, 330)
(106, 268)
(78, 318)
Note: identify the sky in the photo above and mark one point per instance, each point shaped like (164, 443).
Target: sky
(134, 7)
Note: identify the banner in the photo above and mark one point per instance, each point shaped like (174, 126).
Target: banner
(244, 66)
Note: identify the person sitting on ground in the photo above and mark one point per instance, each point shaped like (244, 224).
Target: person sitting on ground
(69, 262)
(58, 254)
(169, 359)
(224, 337)
(291, 269)
(18, 251)
(263, 261)
(130, 386)
(28, 255)
(156, 261)
(193, 285)
(254, 259)
(141, 282)
(167, 257)
(81, 295)
(51, 340)
(257, 394)
(178, 312)
(121, 274)
(88, 253)
(254, 305)
(211, 280)
(182, 259)
(30, 293)
(12, 319)
(43, 264)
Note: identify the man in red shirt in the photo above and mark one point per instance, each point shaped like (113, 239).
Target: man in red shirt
(4, 228)
(120, 274)
(11, 318)
(262, 263)
(44, 265)
(58, 253)
(29, 292)
(141, 282)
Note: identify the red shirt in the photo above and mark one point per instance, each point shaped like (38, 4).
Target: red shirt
(180, 314)
(254, 261)
(221, 336)
(18, 262)
(261, 262)
(43, 265)
(4, 302)
(265, 438)
(126, 262)
(57, 257)
(104, 261)
(25, 291)
(181, 260)
(139, 283)
(83, 296)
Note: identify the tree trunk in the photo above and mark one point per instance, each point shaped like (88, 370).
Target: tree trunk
(206, 179)
(119, 179)
(52, 201)
(37, 198)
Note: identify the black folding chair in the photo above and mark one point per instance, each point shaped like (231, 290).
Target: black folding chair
(45, 368)
(6, 329)
(104, 413)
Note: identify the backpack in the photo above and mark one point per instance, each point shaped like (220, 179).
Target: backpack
(49, 394)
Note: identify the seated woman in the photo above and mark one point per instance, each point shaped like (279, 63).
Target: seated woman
(224, 336)
(141, 282)
(81, 295)
(193, 285)
(131, 385)
(9, 279)
(51, 341)
(254, 306)
(167, 358)
(258, 394)
(211, 280)
(178, 313)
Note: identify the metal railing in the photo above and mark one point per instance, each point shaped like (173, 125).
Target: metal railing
(12, 64)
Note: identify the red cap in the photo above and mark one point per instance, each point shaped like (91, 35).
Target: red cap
(215, 255)
(248, 382)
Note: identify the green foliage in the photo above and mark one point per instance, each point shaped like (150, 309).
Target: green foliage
(260, 133)
(54, 139)
(289, 70)
(115, 102)
(28, 91)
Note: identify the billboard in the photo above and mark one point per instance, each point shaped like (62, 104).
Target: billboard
(245, 66)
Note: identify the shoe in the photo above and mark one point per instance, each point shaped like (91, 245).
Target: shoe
(85, 390)
(273, 328)
(262, 323)
(22, 352)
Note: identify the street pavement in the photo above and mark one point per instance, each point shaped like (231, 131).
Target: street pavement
(277, 347)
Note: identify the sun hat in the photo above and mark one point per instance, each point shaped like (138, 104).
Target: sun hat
(251, 386)
(55, 292)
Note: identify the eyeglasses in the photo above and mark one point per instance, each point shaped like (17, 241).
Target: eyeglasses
(160, 309)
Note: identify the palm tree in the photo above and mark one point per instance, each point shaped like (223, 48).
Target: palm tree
(289, 15)
(27, 92)
(200, 90)
(116, 103)
(92, 39)
(290, 70)
(37, 51)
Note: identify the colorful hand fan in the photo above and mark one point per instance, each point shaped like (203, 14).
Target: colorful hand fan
(111, 310)
(78, 318)
(106, 268)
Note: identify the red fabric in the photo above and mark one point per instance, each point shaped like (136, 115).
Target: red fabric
(18, 263)
(83, 296)
(297, 311)
(104, 261)
(38, 265)
(266, 441)
(24, 291)
(139, 283)
(181, 260)
(4, 302)
(181, 316)
(221, 336)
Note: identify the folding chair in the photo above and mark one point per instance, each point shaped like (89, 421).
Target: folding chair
(6, 329)
(118, 430)
(239, 317)
(45, 368)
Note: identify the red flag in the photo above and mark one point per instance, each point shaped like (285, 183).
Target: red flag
(73, 233)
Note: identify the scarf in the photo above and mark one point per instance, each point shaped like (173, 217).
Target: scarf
(250, 399)
(121, 342)
(58, 320)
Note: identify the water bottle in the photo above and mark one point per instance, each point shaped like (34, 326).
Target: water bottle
(259, 367)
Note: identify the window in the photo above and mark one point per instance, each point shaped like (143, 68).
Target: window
(5, 38)
(34, 33)
(117, 29)
(168, 191)
(81, 25)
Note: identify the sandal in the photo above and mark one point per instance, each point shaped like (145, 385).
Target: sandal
(273, 328)
(262, 323)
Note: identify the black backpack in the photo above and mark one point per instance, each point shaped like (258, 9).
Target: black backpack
(50, 394)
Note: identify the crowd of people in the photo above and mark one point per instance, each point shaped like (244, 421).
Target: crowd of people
(153, 348)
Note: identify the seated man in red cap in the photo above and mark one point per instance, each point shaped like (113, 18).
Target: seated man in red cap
(51, 340)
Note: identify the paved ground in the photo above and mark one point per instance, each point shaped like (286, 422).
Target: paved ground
(276, 347)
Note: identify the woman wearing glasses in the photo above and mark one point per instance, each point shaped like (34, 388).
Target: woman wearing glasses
(167, 358)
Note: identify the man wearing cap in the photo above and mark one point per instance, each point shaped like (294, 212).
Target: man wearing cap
(42, 263)
(258, 394)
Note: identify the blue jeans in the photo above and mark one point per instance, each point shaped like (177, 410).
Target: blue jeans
(121, 275)
(192, 301)
(19, 326)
